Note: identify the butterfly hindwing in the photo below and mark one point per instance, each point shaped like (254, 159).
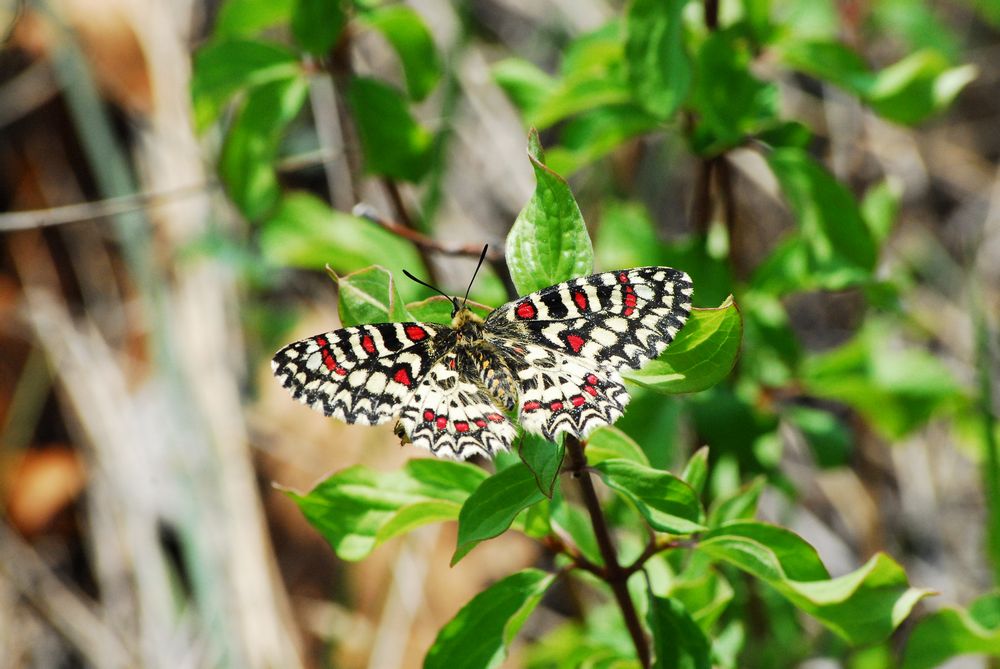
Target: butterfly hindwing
(452, 416)
(561, 393)
(362, 374)
(618, 319)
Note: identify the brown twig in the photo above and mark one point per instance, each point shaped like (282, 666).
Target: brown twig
(615, 576)
(421, 240)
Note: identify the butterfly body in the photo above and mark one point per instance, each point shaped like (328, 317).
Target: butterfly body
(553, 358)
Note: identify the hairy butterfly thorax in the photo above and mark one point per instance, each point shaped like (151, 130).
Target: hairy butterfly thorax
(551, 359)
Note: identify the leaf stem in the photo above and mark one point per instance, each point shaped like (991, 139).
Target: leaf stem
(615, 576)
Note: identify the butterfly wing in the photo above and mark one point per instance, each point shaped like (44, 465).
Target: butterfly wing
(567, 343)
(364, 374)
(452, 416)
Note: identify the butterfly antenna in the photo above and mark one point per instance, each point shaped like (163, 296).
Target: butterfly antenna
(434, 288)
(482, 257)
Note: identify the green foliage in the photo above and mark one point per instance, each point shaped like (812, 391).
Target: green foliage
(666, 81)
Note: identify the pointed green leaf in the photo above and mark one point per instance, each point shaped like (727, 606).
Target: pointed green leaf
(659, 69)
(702, 355)
(951, 632)
(358, 508)
(678, 642)
(575, 523)
(478, 637)
(525, 83)
(251, 147)
(839, 243)
(409, 36)
(668, 503)
(696, 470)
(548, 242)
(491, 509)
(369, 296)
(863, 606)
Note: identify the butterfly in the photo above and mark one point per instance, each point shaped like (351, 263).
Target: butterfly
(552, 359)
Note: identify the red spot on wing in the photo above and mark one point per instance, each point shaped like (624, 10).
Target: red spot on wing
(428, 415)
(368, 344)
(526, 310)
(441, 423)
(575, 342)
(415, 332)
(480, 422)
(623, 277)
(328, 360)
(590, 390)
(580, 299)
(494, 418)
(401, 376)
(531, 406)
(578, 400)
(461, 426)
(556, 406)
(591, 379)
(628, 311)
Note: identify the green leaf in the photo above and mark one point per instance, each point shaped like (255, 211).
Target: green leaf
(696, 470)
(305, 232)
(369, 296)
(544, 458)
(659, 69)
(610, 443)
(668, 503)
(703, 354)
(491, 509)
(862, 607)
(525, 83)
(951, 632)
(839, 244)
(406, 31)
(247, 18)
(358, 508)
(251, 147)
(224, 68)
(678, 642)
(394, 144)
(908, 91)
(478, 637)
(438, 309)
(317, 24)
(548, 242)
(731, 104)
(738, 505)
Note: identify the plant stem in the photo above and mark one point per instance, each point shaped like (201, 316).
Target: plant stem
(615, 575)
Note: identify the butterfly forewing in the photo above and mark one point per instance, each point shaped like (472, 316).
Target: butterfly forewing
(363, 374)
(553, 357)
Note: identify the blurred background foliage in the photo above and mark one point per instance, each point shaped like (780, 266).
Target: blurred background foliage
(176, 176)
